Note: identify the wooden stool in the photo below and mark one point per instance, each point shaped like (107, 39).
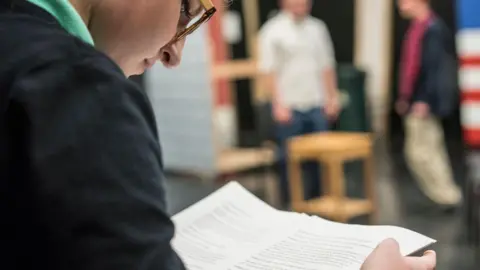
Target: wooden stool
(332, 149)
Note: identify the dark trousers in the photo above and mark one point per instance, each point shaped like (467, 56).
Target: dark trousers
(301, 123)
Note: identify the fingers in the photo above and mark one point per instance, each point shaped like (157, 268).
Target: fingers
(387, 249)
(282, 115)
(401, 107)
(421, 109)
(332, 111)
(389, 245)
(385, 256)
(430, 254)
(427, 262)
(287, 116)
(430, 259)
(284, 119)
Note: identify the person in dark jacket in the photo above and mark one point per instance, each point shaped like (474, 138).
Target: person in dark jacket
(81, 168)
(81, 175)
(428, 91)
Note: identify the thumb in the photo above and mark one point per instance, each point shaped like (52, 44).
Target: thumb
(388, 246)
(427, 261)
(385, 256)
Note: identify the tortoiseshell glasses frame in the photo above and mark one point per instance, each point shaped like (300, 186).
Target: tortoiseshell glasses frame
(209, 11)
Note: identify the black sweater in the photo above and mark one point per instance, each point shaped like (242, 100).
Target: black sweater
(81, 178)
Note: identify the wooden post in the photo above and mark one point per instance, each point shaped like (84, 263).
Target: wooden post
(295, 184)
(375, 57)
(245, 68)
(252, 24)
(370, 186)
(336, 179)
(251, 16)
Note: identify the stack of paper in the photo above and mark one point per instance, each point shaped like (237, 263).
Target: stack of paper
(233, 230)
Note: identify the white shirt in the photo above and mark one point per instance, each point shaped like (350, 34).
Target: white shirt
(297, 52)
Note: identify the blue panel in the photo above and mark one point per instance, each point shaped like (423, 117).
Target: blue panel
(468, 13)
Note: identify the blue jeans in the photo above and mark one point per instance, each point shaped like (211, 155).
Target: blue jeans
(301, 123)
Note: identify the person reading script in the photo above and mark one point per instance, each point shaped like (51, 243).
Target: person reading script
(82, 184)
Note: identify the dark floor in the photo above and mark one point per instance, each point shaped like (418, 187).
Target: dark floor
(414, 211)
(401, 204)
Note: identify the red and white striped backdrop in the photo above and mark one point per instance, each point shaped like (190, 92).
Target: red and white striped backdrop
(468, 45)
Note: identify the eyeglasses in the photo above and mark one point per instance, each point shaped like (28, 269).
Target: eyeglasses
(209, 11)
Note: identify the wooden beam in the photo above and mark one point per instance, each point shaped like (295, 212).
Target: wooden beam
(359, 24)
(234, 70)
(251, 15)
(252, 24)
(375, 57)
(388, 62)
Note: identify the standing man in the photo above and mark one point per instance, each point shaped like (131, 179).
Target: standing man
(298, 63)
(428, 91)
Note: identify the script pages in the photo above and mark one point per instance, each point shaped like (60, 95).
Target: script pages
(233, 230)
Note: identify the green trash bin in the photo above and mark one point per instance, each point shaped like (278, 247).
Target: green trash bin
(351, 83)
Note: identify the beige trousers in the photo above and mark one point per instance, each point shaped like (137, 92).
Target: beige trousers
(428, 160)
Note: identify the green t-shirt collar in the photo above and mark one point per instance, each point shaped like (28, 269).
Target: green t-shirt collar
(67, 16)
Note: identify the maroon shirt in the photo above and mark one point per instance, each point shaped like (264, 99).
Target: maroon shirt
(411, 57)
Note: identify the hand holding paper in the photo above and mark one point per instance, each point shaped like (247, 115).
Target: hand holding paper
(387, 256)
(234, 230)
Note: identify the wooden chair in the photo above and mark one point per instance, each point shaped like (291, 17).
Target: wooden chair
(332, 149)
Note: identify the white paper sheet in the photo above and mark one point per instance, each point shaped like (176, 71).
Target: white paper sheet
(212, 233)
(232, 229)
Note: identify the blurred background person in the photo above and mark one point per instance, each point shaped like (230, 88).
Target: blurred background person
(298, 62)
(428, 92)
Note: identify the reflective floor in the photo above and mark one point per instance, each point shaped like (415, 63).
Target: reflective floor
(401, 204)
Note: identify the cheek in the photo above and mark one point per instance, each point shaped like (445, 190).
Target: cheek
(157, 24)
(164, 27)
(165, 21)
(131, 35)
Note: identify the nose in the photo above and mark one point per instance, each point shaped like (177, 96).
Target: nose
(171, 55)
